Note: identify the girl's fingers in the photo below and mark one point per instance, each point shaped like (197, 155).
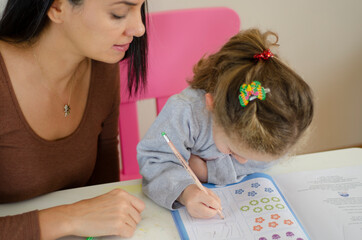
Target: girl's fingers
(216, 197)
(211, 200)
(208, 212)
(200, 204)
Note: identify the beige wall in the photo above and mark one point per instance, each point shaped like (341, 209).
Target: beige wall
(322, 41)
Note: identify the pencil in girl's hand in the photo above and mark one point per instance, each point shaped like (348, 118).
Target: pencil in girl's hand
(188, 169)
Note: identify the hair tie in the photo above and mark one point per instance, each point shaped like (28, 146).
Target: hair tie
(249, 92)
(266, 54)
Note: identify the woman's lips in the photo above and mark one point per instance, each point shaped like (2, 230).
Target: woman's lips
(121, 48)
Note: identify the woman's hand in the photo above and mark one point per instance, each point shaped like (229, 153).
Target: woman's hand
(198, 203)
(114, 213)
(199, 167)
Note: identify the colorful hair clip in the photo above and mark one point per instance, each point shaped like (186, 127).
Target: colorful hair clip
(249, 92)
(266, 54)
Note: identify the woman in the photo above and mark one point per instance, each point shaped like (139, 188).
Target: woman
(59, 101)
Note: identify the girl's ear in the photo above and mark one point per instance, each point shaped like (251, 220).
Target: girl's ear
(56, 11)
(209, 101)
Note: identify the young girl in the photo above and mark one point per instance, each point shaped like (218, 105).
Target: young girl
(244, 109)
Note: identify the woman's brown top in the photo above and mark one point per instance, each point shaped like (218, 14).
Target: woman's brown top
(31, 166)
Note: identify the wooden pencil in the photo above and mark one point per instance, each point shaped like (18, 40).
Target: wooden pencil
(188, 169)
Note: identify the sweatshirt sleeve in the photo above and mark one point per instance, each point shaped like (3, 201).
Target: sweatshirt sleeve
(228, 170)
(20, 227)
(164, 178)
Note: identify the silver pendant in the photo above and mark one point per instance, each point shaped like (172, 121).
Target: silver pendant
(66, 110)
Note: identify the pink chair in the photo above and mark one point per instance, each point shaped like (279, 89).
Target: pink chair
(177, 40)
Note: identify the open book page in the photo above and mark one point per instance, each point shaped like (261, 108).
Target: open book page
(328, 202)
(253, 209)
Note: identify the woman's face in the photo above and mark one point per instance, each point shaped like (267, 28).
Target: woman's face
(103, 29)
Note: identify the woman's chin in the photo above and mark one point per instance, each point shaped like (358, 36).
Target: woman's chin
(111, 60)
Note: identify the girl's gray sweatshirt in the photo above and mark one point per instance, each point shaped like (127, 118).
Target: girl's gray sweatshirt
(188, 124)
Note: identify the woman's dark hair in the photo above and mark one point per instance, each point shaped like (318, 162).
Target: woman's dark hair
(24, 20)
(137, 59)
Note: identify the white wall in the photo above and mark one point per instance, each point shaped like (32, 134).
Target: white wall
(322, 41)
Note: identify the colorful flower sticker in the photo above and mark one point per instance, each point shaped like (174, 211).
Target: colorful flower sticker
(275, 216)
(255, 185)
(244, 208)
(268, 207)
(252, 193)
(257, 228)
(288, 222)
(239, 191)
(275, 199)
(269, 190)
(259, 220)
(275, 236)
(279, 206)
(273, 224)
(257, 209)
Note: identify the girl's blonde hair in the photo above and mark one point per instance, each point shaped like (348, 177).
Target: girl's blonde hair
(270, 126)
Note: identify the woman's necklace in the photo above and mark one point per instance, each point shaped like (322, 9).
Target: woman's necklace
(66, 108)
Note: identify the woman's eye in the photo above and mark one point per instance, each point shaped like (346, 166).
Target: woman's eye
(117, 16)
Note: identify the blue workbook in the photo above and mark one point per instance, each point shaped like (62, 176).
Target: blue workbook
(254, 209)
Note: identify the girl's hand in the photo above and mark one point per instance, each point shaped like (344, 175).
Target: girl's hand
(114, 213)
(198, 203)
(198, 165)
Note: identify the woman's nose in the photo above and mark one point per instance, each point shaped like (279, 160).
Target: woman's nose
(136, 27)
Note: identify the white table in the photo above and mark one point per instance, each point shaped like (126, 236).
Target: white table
(157, 222)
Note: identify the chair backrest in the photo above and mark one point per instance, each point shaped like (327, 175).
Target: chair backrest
(177, 40)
